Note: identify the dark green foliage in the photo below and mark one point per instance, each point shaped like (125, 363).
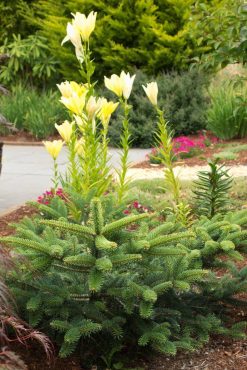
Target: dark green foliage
(220, 235)
(182, 95)
(211, 190)
(12, 20)
(111, 280)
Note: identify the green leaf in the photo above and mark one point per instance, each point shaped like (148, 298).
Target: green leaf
(34, 303)
(149, 295)
(165, 251)
(72, 335)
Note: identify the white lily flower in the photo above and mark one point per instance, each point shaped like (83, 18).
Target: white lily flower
(151, 91)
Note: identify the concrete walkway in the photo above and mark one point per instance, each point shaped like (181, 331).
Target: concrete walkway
(184, 172)
(27, 171)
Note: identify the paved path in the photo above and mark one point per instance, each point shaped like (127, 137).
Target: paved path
(27, 171)
(184, 172)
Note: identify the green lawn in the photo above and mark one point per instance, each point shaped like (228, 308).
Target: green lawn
(153, 192)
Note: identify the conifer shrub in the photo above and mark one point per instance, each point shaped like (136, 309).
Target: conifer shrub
(151, 35)
(223, 234)
(211, 190)
(97, 280)
(118, 280)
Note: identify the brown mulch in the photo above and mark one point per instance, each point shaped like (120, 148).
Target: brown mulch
(201, 159)
(14, 216)
(219, 354)
(24, 138)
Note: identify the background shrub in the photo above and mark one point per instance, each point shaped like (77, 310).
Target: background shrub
(182, 96)
(29, 60)
(12, 20)
(227, 114)
(219, 29)
(151, 35)
(33, 111)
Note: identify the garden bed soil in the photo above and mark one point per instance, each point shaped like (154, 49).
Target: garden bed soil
(220, 354)
(201, 159)
(14, 216)
(24, 138)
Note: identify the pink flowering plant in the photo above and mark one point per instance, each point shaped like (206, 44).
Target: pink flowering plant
(135, 208)
(48, 195)
(184, 147)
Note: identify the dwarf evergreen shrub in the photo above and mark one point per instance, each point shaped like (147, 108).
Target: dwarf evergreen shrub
(211, 190)
(114, 280)
(151, 35)
(220, 235)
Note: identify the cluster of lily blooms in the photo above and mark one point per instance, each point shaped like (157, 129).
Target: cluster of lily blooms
(76, 97)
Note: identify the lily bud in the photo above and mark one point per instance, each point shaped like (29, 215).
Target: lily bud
(79, 147)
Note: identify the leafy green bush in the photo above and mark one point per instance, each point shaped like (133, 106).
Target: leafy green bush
(227, 114)
(28, 60)
(110, 278)
(181, 95)
(33, 111)
(219, 28)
